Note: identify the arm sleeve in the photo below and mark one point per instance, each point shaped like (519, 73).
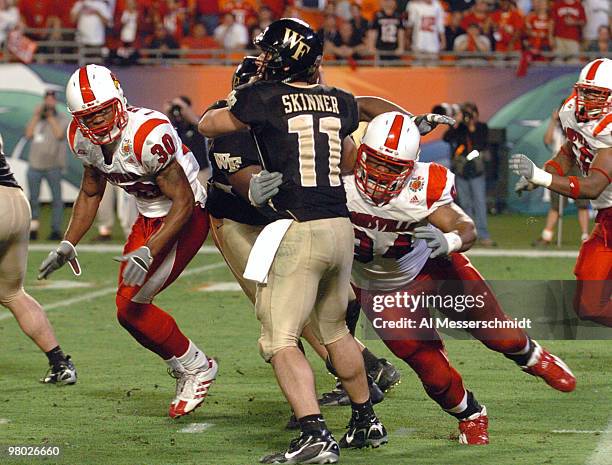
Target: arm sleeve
(440, 187)
(161, 145)
(246, 104)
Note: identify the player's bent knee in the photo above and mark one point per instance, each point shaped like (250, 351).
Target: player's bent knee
(7, 298)
(268, 350)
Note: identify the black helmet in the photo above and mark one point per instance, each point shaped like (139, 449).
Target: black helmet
(293, 50)
(245, 71)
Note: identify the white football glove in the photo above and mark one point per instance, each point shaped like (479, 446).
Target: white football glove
(429, 121)
(65, 253)
(440, 243)
(137, 266)
(523, 185)
(523, 166)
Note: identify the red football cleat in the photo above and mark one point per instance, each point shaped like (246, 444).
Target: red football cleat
(552, 370)
(473, 430)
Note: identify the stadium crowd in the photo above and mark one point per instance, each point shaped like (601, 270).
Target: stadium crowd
(351, 29)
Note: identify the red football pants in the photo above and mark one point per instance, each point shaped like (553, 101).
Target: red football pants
(152, 327)
(422, 348)
(593, 271)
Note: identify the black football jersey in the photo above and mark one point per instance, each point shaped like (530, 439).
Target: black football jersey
(227, 155)
(6, 175)
(388, 27)
(299, 131)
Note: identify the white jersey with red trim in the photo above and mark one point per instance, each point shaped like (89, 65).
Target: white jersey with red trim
(386, 255)
(586, 139)
(147, 145)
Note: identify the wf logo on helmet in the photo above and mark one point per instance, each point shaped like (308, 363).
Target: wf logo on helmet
(296, 42)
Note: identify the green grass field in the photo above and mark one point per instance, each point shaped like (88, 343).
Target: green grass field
(117, 413)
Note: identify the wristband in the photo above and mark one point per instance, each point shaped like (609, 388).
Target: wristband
(556, 166)
(574, 186)
(454, 241)
(541, 177)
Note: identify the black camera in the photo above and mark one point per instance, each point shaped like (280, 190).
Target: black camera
(47, 111)
(176, 112)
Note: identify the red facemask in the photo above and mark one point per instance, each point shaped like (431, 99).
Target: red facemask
(380, 177)
(592, 102)
(107, 133)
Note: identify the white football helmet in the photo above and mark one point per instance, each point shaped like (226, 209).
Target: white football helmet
(594, 90)
(95, 100)
(386, 156)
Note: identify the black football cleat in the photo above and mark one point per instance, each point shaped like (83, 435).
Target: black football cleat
(313, 447)
(62, 374)
(386, 376)
(369, 432)
(338, 397)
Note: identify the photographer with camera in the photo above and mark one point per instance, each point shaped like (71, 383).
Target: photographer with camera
(468, 140)
(182, 116)
(47, 159)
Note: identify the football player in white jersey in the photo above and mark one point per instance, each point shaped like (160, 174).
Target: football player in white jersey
(586, 117)
(138, 150)
(408, 237)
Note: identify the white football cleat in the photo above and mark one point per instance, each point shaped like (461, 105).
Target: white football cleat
(192, 388)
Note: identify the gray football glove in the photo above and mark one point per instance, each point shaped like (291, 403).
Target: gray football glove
(522, 165)
(523, 185)
(434, 238)
(137, 266)
(428, 122)
(263, 186)
(65, 253)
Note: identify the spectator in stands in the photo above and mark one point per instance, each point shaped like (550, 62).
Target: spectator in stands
(569, 17)
(343, 10)
(386, 37)
(243, 11)
(230, 34)
(472, 41)
(198, 40)
(479, 15)
(129, 23)
(92, 17)
(47, 133)
(467, 135)
(264, 18)
(603, 44)
(163, 41)
(174, 18)
(453, 30)
(328, 32)
(598, 14)
(459, 5)
(425, 26)
(208, 14)
(359, 23)
(539, 28)
(347, 44)
(9, 19)
(508, 25)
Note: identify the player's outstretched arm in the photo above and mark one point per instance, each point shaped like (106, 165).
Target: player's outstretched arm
(561, 163)
(577, 187)
(173, 183)
(456, 231)
(86, 205)
(218, 122)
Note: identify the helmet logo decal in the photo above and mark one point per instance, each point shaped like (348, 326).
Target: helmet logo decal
(296, 42)
(395, 132)
(86, 91)
(115, 81)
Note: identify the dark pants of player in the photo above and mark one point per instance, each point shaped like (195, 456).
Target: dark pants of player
(422, 348)
(594, 273)
(152, 327)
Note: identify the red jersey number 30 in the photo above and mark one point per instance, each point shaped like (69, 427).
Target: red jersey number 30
(163, 152)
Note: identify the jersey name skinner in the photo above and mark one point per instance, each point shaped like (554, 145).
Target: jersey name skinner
(386, 256)
(586, 139)
(148, 144)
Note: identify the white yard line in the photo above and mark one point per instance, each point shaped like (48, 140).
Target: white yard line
(196, 427)
(581, 431)
(603, 451)
(209, 249)
(111, 290)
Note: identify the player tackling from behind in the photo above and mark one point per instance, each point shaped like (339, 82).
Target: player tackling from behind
(138, 150)
(409, 235)
(14, 237)
(586, 118)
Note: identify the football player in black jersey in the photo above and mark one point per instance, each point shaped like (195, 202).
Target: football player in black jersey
(14, 237)
(302, 129)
